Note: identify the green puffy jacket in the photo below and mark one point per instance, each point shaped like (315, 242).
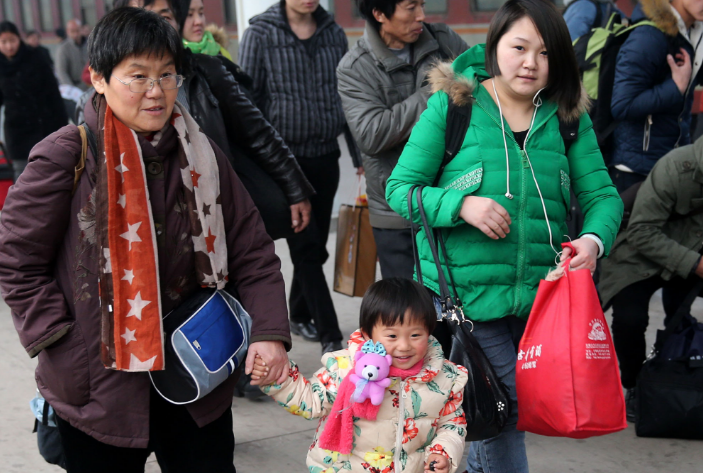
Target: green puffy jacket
(500, 278)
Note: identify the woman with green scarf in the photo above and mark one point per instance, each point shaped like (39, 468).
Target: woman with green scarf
(200, 39)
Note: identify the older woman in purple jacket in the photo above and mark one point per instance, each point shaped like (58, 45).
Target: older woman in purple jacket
(159, 208)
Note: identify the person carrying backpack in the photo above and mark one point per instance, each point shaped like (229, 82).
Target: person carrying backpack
(661, 248)
(501, 202)
(582, 15)
(656, 71)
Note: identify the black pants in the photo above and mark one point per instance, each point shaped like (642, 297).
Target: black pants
(395, 252)
(180, 446)
(631, 317)
(310, 297)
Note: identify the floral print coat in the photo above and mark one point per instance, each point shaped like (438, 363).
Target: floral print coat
(419, 415)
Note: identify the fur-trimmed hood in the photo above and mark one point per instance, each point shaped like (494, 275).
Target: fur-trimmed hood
(219, 34)
(659, 11)
(458, 79)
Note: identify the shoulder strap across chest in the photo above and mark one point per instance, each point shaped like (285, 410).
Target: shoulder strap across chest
(459, 120)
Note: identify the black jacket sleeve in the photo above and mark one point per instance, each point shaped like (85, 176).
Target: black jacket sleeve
(247, 127)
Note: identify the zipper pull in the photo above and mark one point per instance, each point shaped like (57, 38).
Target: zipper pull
(523, 157)
(404, 393)
(647, 131)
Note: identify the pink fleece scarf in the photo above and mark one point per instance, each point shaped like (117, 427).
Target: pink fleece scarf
(338, 435)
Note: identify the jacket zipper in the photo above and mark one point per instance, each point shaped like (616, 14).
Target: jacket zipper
(523, 205)
(521, 230)
(647, 132)
(401, 425)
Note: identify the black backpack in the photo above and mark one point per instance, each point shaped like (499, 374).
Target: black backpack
(459, 120)
(596, 54)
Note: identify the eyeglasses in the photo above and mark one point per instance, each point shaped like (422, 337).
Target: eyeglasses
(140, 86)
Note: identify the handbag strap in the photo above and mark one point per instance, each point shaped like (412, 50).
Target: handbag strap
(683, 310)
(88, 141)
(81, 162)
(45, 413)
(450, 304)
(414, 230)
(440, 237)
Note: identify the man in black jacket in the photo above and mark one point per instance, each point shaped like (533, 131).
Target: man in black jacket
(292, 51)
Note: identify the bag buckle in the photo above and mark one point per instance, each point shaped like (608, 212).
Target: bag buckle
(453, 313)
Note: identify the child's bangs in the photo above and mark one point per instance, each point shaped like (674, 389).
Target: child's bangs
(396, 301)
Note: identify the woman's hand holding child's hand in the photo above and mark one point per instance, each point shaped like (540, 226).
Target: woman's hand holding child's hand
(273, 358)
(441, 463)
(487, 215)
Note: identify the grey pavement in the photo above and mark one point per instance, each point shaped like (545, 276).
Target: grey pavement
(271, 440)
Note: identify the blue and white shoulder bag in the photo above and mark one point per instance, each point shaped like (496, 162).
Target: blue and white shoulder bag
(206, 340)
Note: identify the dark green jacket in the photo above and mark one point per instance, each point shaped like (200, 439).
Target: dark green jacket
(654, 244)
(500, 278)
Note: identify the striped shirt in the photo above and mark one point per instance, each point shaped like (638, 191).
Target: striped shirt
(295, 86)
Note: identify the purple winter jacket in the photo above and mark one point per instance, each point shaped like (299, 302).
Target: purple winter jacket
(49, 278)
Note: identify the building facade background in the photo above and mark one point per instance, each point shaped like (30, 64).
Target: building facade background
(469, 18)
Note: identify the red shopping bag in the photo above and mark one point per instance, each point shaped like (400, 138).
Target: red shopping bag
(567, 377)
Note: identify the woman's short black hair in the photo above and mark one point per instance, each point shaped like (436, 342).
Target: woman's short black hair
(9, 27)
(128, 31)
(366, 8)
(564, 81)
(387, 301)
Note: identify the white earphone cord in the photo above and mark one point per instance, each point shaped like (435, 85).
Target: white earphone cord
(505, 145)
(536, 102)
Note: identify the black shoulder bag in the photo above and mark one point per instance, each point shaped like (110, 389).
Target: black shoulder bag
(486, 403)
(670, 391)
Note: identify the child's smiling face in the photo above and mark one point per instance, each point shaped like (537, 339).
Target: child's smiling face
(407, 342)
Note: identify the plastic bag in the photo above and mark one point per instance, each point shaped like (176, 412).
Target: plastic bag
(567, 376)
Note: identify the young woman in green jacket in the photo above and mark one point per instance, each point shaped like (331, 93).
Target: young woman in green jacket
(502, 202)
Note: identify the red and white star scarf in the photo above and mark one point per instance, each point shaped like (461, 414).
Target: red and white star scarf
(132, 331)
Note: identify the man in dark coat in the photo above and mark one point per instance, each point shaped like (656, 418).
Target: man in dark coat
(656, 72)
(291, 51)
(661, 248)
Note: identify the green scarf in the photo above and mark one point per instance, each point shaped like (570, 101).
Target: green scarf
(207, 45)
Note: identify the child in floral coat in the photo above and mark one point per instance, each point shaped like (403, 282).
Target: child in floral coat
(419, 424)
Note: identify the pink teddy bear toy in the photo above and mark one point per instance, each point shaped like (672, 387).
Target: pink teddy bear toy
(371, 369)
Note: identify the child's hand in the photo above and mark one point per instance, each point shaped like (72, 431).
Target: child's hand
(441, 464)
(260, 370)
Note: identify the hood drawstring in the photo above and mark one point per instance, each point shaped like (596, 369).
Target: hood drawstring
(505, 144)
(537, 102)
